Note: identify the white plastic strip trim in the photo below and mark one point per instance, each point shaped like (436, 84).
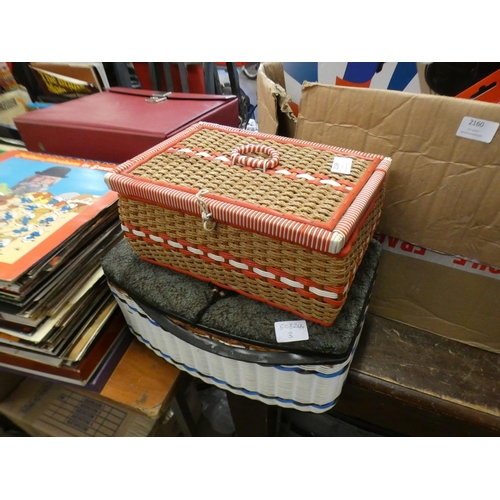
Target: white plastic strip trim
(337, 242)
(156, 238)
(239, 265)
(292, 283)
(174, 244)
(332, 183)
(306, 176)
(323, 293)
(218, 258)
(265, 274)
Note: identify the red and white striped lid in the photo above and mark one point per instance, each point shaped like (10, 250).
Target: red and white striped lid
(326, 237)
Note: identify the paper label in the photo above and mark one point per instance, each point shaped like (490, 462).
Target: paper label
(342, 165)
(477, 129)
(291, 331)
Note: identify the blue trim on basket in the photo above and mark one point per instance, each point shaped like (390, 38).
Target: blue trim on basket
(223, 382)
(133, 309)
(302, 371)
(142, 314)
(307, 372)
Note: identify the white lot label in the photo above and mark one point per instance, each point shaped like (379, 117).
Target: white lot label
(477, 129)
(291, 331)
(342, 165)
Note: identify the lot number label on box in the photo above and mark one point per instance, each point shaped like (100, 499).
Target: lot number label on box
(291, 331)
(342, 165)
(477, 129)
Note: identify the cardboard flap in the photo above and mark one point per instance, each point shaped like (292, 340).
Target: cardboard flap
(275, 114)
(442, 190)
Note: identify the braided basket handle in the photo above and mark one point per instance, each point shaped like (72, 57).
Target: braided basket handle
(238, 156)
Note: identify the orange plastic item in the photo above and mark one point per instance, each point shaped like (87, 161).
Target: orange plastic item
(486, 90)
(347, 83)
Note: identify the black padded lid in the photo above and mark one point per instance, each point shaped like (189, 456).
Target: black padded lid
(228, 314)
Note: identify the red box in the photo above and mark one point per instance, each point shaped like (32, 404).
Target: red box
(116, 125)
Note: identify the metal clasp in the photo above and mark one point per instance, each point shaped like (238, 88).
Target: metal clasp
(158, 97)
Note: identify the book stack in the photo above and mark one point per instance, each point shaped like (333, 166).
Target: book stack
(14, 101)
(68, 80)
(58, 218)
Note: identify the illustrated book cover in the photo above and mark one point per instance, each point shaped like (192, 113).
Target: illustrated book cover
(44, 201)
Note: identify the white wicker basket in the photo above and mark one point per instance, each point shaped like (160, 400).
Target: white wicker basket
(302, 385)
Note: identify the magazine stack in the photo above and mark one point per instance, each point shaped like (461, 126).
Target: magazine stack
(58, 320)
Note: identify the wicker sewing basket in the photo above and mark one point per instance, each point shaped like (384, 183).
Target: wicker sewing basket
(266, 216)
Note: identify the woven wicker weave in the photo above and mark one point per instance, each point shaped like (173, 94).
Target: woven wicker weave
(265, 233)
(284, 193)
(333, 274)
(303, 387)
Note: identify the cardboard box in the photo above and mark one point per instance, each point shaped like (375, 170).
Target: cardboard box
(442, 188)
(279, 88)
(8, 382)
(442, 195)
(45, 409)
(275, 113)
(440, 293)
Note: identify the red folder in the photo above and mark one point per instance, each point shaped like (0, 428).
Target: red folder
(116, 125)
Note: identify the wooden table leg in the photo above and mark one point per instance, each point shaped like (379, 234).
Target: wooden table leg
(252, 418)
